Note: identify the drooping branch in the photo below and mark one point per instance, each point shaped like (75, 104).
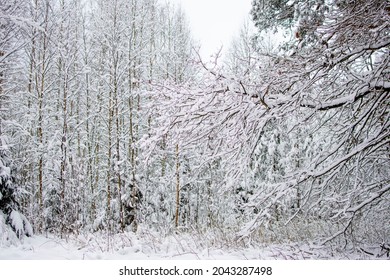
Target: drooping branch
(353, 97)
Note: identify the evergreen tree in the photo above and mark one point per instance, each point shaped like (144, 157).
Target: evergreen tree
(12, 222)
(10, 214)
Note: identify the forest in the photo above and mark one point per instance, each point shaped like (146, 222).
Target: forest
(112, 125)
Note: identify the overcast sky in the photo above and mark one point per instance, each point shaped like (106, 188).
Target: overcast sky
(215, 22)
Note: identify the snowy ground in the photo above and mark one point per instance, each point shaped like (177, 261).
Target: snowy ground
(153, 246)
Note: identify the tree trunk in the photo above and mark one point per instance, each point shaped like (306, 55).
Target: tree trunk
(177, 187)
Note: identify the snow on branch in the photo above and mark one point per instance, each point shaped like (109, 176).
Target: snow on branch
(353, 97)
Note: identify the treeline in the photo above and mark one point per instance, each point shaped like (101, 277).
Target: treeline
(77, 80)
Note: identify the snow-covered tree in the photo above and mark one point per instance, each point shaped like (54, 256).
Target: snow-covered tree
(335, 78)
(13, 224)
(311, 125)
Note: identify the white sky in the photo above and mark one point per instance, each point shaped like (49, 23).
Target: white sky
(215, 22)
